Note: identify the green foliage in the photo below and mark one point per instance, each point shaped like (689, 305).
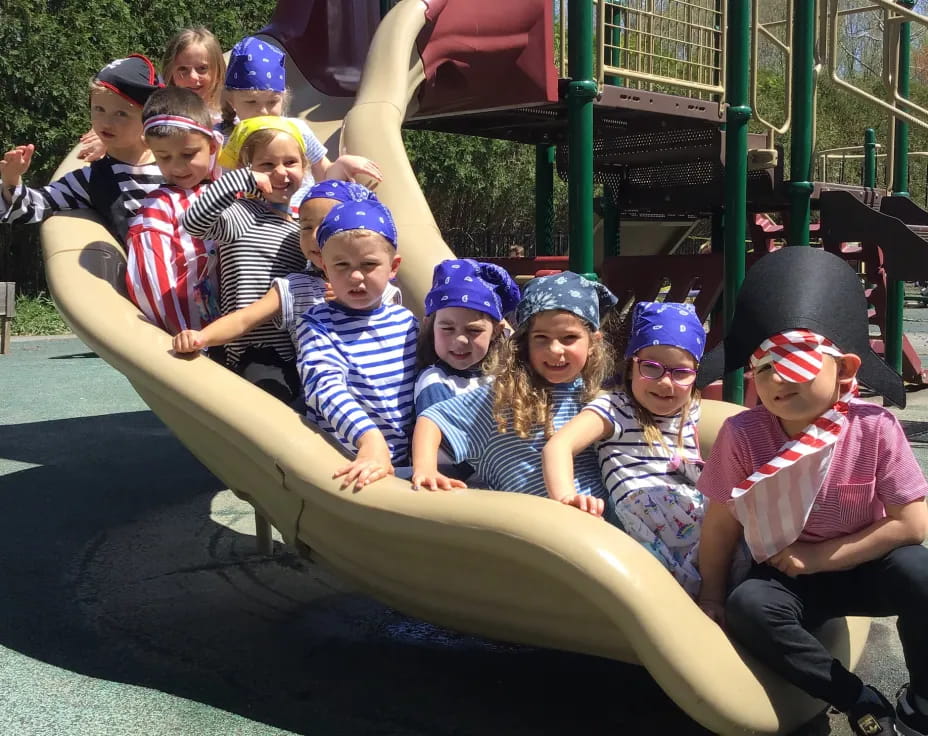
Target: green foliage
(36, 315)
(50, 49)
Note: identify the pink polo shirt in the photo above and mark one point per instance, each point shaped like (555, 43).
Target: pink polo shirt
(873, 466)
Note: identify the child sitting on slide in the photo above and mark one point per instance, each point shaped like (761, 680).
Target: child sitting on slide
(544, 373)
(256, 85)
(357, 355)
(114, 186)
(645, 435)
(823, 486)
(291, 295)
(171, 275)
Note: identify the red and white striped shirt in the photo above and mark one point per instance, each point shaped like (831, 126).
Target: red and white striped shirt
(872, 467)
(165, 263)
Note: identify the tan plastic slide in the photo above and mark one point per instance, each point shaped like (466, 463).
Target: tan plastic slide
(498, 565)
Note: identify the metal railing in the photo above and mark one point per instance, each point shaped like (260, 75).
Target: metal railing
(846, 166)
(675, 46)
(776, 34)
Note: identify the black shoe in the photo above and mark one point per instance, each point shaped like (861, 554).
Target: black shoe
(872, 714)
(909, 721)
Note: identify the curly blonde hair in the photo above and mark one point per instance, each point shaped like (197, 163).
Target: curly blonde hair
(650, 431)
(522, 400)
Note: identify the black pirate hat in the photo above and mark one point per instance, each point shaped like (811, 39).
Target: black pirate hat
(802, 288)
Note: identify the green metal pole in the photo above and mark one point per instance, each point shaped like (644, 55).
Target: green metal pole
(895, 288)
(581, 90)
(803, 102)
(869, 158)
(385, 6)
(736, 170)
(611, 223)
(544, 200)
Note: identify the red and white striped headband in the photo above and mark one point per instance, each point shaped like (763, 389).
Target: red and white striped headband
(796, 355)
(176, 121)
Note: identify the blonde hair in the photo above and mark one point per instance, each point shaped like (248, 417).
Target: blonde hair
(650, 431)
(217, 63)
(259, 139)
(522, 398)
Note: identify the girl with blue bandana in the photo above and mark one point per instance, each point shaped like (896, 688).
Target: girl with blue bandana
(464, 314)
(256, 85)
(291, 295)
(544, 373)
(645, 435)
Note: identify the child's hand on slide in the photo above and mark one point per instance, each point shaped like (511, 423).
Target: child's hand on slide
(263, 182)
(92, 148)
(357, 168)
(432, 480)
(16, 163)
(372, 463)
(188, 341)
(590, 504)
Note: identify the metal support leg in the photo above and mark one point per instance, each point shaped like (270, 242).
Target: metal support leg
(264, 541)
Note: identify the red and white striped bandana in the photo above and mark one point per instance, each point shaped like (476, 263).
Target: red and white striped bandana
(774, 502)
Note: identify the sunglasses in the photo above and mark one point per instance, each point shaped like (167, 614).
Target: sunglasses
(654, 371)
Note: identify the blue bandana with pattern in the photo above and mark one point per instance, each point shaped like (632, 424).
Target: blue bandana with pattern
(370, 215)
(568, 292)
(485, 287)
(666, 323)
(340, 191)
(256, 64)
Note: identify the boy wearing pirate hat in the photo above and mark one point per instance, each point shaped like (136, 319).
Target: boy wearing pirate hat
(824, 487)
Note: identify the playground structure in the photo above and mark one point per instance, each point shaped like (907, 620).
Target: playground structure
(503, 565)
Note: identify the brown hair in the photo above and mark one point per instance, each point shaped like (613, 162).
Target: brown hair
(521, 397)
(650, 431)
(217, 63)
(175, 101)
(425, 350)
(260, 139)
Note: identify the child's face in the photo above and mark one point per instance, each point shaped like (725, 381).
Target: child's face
(797, 405)
(462, 336)
(359, 269)
(192, 70)
(250, 103)
(312, 213)
(662, 397)
(558, 345)
(115, 120)
(282, 161)
(184, 160)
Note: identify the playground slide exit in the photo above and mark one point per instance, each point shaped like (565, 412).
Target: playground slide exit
(499, 565)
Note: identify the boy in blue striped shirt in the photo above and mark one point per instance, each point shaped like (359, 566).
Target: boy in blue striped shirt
(356, 355)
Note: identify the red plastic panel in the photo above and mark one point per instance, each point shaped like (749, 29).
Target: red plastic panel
(327, 39)
(482, 54)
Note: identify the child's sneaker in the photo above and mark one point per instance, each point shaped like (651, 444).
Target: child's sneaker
(872, 714)
(909, 721)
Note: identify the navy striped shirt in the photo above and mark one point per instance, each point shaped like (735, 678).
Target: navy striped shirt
(629, 463)
(124, 188)
(505, 461)
(358, 370)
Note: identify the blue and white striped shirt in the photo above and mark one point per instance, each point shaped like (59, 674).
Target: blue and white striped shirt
(629, 463)
(505, 461)
(358, 370)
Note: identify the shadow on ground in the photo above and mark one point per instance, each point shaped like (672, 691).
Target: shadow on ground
(132, 566)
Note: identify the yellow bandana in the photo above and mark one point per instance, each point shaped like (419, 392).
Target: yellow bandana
(228, 158)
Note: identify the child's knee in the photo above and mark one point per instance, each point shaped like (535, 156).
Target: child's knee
(907, 568)
(753, 606)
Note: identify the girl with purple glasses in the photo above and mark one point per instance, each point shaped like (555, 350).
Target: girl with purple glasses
(645, 435)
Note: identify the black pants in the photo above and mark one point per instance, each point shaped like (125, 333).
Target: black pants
(771, 615)
(263, 367)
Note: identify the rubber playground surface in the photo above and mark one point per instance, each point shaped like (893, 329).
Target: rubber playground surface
(132, 600)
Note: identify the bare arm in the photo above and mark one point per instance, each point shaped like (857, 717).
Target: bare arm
(426, 441)
(557, 457)
(904, 524)
(720, 534)
(231, 326)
